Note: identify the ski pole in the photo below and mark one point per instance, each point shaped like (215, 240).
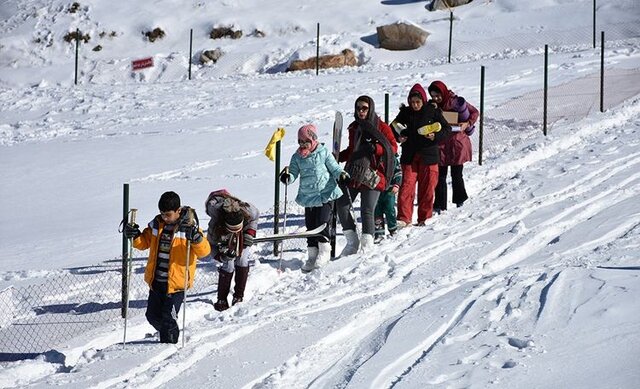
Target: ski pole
(132, 220)
(186, 278)
(284, 223)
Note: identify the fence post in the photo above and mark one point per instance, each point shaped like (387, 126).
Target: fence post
(77, 50)
(602, 72)
(450, 32)
(317, 48)
(125, 250)
(481, 124)
(386, 108)
(546, 80)
(190, 50)
(276, 200)
(594, 24)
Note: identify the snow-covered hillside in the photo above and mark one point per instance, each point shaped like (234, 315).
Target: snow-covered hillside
(531, 284)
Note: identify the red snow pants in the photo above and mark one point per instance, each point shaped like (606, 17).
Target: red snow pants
(427, 179)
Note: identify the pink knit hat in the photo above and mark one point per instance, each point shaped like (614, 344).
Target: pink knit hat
(307, 133)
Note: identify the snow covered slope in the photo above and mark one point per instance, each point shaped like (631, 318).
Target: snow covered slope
(531, 284)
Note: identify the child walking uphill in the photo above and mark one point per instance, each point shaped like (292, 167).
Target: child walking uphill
(386, 206)
(231, 231)
(318, 172)
(166, 236)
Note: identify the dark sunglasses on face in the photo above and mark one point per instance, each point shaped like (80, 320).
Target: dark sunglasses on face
(304, 142)
(362, 108)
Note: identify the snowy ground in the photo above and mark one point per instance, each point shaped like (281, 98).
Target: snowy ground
(531, 284)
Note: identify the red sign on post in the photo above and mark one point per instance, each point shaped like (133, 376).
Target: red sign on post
(142, 63)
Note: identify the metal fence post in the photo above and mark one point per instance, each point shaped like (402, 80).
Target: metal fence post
(602, 72)
(77, 50)
(125, 249)
(386, 108)
(481, 125)
(594, 24)
(450, 32)
(276, 200)
(190, 50)
(546, 80)
(317, 48)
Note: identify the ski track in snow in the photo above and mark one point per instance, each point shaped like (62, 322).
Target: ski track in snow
(338, 356)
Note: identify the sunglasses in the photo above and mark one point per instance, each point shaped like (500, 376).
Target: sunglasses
(362, 108)
(304, 142)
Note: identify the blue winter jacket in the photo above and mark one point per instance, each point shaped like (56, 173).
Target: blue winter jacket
(318, 174)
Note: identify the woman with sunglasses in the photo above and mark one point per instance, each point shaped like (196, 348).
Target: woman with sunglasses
(421, 127)
(318, 171)
(369, 161)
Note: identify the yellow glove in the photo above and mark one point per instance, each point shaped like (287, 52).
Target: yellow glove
(429, 129)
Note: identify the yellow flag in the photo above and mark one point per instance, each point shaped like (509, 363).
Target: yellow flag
(270, 150)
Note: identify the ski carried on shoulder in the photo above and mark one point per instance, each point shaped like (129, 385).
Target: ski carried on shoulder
(291, 235)
(337, 138)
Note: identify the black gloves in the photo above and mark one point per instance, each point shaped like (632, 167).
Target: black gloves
(247, 238)
(226, 254)
(285, 177)
(370, 145)
(192, 234)
(344, 179)
(131, 231)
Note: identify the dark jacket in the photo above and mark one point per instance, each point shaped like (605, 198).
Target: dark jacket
(416, 143)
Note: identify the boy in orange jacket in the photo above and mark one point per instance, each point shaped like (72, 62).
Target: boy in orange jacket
(166, 237)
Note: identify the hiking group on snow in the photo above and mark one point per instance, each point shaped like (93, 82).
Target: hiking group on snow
(433, 134)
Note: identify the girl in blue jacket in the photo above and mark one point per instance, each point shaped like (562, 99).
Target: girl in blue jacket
(318, 172)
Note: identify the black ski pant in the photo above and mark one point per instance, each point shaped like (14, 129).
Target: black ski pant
(457, 186)
(162, 311)
(314, 217)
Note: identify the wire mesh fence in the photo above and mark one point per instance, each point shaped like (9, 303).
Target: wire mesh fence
(507, 121)
(68, 303)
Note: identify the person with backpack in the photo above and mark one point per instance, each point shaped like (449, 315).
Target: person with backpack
(421, 127)
(232, 228)
(167, 237)
(318, 171)
(369, 159)
(455, 150)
